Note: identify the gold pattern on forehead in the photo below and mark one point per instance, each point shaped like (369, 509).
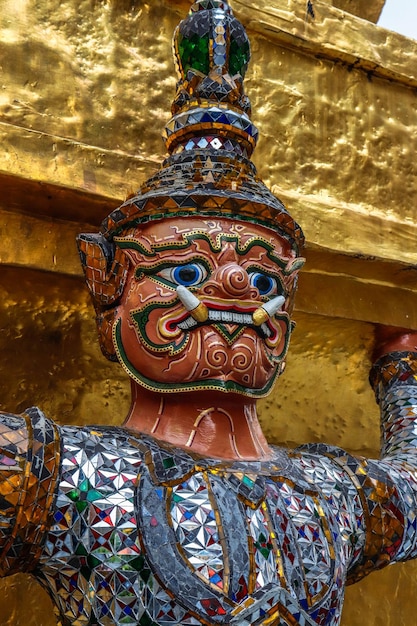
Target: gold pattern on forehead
(287, 264)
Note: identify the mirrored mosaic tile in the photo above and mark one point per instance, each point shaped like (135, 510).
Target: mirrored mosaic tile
(194, 523)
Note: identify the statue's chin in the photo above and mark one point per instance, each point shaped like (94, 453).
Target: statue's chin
(209, 384)
(220, 367)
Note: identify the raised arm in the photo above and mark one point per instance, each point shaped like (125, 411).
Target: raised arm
(394, 380)
(29, 460)
(375, 501)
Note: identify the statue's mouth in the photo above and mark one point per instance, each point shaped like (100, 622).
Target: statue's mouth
(230, 316)
(221, 313)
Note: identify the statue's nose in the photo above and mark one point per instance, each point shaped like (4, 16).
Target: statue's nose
(229, 281)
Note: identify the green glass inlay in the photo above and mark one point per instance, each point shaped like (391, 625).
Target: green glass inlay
(81, 506)
(239, 56)
(93, 494)
(80, 550)
(115, 541)
(74, 495)
(169, 462)
(194, 53)
(264, 552)
(247, 481)
(145, 574)
(146, 620)
(93, 561)
(263, 546)
(137, 563)
(86, 572)
(126, 620)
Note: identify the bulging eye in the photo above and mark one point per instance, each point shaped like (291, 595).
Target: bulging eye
(187, 275)
(265, 284)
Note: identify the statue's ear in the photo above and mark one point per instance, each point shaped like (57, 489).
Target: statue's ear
(105, 267)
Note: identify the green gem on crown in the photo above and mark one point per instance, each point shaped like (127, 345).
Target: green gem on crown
(194, 53)
(239, 57)
(211, 38)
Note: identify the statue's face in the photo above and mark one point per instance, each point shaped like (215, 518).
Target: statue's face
(232, 268)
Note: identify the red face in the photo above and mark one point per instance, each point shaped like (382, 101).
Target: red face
(232, 268)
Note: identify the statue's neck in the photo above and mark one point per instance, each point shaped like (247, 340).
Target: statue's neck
(213, 424)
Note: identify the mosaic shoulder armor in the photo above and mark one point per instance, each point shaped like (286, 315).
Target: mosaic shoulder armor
(29, 459)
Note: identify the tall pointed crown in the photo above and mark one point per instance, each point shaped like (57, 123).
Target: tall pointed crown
(210, 137)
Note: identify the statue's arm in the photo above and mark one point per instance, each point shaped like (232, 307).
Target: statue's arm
(388, 487)
(394, 379)
(29, 461)
(375, 501)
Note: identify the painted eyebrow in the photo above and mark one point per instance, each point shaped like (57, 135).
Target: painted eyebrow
(215, 245)
(167, 263)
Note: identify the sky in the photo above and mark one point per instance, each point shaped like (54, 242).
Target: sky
(400, 16)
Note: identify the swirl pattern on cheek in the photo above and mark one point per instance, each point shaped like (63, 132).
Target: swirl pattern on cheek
(242, 357)
(216, 357)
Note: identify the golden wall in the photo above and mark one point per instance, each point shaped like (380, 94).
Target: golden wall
(84, 91)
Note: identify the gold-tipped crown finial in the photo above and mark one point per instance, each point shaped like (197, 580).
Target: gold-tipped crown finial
(211, 53)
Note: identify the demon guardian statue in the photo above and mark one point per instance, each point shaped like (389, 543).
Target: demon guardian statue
(185, 514)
